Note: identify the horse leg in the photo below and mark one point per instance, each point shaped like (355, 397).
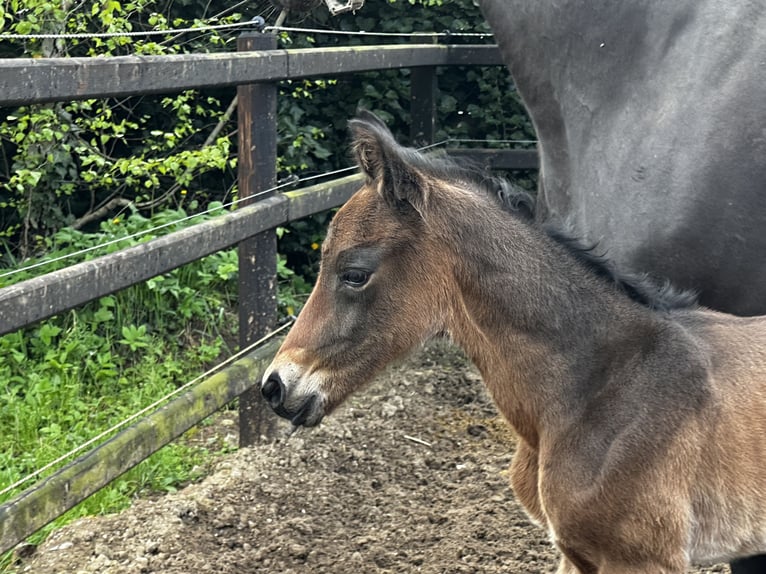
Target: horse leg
(523, 474)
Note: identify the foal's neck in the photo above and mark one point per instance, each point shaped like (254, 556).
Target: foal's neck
(536, 322)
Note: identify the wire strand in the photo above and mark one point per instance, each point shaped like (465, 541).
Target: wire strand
(446, 34)
(137, 33)
(494, 141)
(144, 410)
(138, 234)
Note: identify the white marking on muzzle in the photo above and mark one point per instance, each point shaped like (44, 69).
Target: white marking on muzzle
(298, 380)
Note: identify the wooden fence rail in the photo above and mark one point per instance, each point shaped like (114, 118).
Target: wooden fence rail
(28, 81)
(34, 299)
(40, 80)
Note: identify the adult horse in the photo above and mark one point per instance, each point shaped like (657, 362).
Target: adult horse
(641, 417)
(651, 118)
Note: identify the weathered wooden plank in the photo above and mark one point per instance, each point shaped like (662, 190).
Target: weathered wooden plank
(41, 504)
(423, 97)
(474, 55)
(321, 197)
(38, 80)
(35, 299)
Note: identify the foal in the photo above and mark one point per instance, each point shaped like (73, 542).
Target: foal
(641, 423)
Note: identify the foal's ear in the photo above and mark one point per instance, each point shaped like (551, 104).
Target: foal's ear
(386, 163)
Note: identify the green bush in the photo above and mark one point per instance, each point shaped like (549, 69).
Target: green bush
(79, 163)
(73, 376)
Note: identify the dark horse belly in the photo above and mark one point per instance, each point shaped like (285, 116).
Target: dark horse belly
(651, 118)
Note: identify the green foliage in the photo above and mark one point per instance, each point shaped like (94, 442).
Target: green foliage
(75, 163)
(75, 375)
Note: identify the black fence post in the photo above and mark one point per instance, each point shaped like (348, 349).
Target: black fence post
(423, 90)
(257, 172)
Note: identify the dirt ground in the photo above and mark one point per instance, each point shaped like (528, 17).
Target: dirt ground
(410, 476)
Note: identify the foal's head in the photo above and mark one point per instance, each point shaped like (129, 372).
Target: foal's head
(384, 284)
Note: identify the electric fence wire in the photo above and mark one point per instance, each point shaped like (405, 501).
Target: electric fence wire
(445, 34)
(144, 410)
(126, 34)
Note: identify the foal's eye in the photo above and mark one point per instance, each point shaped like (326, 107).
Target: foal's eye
(355, 277)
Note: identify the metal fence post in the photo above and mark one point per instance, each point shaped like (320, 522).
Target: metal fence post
(257, 127)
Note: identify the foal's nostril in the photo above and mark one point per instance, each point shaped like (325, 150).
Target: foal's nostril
(273, 390)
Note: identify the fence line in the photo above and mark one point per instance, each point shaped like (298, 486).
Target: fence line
(47, 295)
(125, 34)
(41, 80)
(114, 428)
(288, 182)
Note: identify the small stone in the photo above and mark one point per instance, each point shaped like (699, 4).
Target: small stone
(62, 546)
(141, 564)
(299, 551)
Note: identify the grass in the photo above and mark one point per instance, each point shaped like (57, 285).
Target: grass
(71, 377)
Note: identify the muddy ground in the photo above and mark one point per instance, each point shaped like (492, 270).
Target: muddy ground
(410, 476)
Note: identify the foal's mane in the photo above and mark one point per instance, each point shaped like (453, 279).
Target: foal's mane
(513, 199)
(639, 287)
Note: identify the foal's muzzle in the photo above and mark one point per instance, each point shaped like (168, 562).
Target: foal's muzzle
(304, 410)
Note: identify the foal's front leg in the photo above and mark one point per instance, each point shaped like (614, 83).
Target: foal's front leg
(523, 473)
